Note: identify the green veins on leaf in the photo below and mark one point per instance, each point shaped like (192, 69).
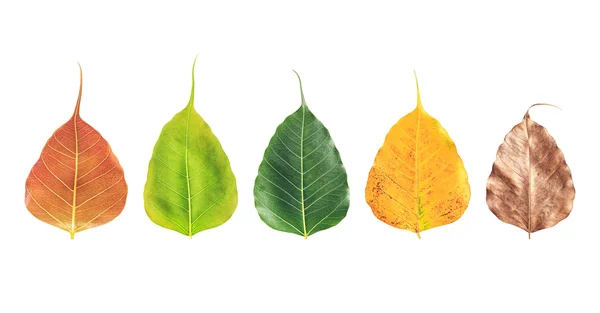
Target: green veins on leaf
(190, 185)
(302, 186)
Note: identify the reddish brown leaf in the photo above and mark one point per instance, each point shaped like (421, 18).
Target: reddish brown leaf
(78, 182)
(530, 185)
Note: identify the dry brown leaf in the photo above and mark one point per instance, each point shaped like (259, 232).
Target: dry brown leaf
(530, 185)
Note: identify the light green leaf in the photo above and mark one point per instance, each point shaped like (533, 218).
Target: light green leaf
(190, 186)
(302, 186)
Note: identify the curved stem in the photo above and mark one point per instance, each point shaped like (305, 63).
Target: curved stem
(537, 104)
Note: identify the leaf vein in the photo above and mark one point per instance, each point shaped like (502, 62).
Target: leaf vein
(282, 199)
(327, 216)
(168, 166)
(95, 167)
(52, 191)
(100, 193)
(60, 143)
(272, 183)
(327, 184)
(287, 146)
(166, 217)
(99, 176)
(286, 162)
(55, 176)
(100, 214)
(399, 158)
(335, 166)
(64, 154)
(41, 207)
(325, 195)
(283, 220)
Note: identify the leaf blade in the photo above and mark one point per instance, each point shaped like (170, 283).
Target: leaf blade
(190, 186)
(418, 180)
(293, 189)
(530, 185)
(77, 183)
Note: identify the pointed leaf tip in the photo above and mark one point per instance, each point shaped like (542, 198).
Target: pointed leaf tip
(191, 102)
(538, 104)
(419, 104)
(78, 104)
(301, 90)
(194, 67)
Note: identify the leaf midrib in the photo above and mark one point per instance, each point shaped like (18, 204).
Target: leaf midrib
(528, 178)
(74, 204)
(187, 171)
(302, 169)
(417, 197)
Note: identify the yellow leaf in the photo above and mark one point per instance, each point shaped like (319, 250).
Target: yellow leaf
(418, 180)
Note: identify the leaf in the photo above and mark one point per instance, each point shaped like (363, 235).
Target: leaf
(301, 187)
(418, 180)
(530, 185)
(190, 185)
(78, 182)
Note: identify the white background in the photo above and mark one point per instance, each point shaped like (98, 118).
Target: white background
(480, 67)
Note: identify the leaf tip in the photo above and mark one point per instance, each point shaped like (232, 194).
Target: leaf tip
(191, 103)
(419, 105)
(538, 104)
(78, 104)
(194, 66)
(301, 91)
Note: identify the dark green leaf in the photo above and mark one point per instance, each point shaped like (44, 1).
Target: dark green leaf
(302, 186)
